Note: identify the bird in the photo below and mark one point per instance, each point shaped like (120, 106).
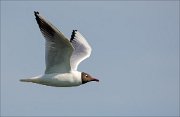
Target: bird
(62, 57)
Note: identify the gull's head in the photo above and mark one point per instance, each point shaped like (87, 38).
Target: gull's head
(87, 78)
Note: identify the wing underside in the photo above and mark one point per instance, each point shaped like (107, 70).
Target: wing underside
(82, 49)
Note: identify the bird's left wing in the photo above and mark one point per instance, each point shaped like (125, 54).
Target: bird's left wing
(58, 47)
(82, 49)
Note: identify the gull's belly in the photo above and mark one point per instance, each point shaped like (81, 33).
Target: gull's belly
(60, 80)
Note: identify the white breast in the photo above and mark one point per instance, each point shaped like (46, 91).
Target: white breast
(62, 80)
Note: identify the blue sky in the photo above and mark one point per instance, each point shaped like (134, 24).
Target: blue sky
(135, 55)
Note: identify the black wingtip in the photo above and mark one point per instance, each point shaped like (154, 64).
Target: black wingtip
(36, 13)
(45, 28)
(73, 35)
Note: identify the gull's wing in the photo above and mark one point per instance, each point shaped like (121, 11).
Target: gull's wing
(58, 47)
(82, 49)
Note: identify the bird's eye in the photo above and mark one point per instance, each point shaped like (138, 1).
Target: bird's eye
(86, 75)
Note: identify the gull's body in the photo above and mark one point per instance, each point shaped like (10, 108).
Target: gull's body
(62, 57)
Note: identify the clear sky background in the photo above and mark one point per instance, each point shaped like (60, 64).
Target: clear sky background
(135, 55)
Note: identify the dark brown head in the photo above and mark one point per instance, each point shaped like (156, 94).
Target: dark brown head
(87, 78)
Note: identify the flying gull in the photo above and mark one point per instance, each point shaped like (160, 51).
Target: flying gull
(62, 57)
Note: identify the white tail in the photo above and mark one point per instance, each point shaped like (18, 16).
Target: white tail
(33, 79)
(26, 80)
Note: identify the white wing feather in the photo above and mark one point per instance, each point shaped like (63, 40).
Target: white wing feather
(58, 47)
(82, 49)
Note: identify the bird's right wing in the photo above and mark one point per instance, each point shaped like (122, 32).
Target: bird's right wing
(58, 47)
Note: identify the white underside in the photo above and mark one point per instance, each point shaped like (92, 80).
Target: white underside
(58, 80)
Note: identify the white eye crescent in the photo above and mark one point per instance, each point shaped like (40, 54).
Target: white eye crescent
(86, 75)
